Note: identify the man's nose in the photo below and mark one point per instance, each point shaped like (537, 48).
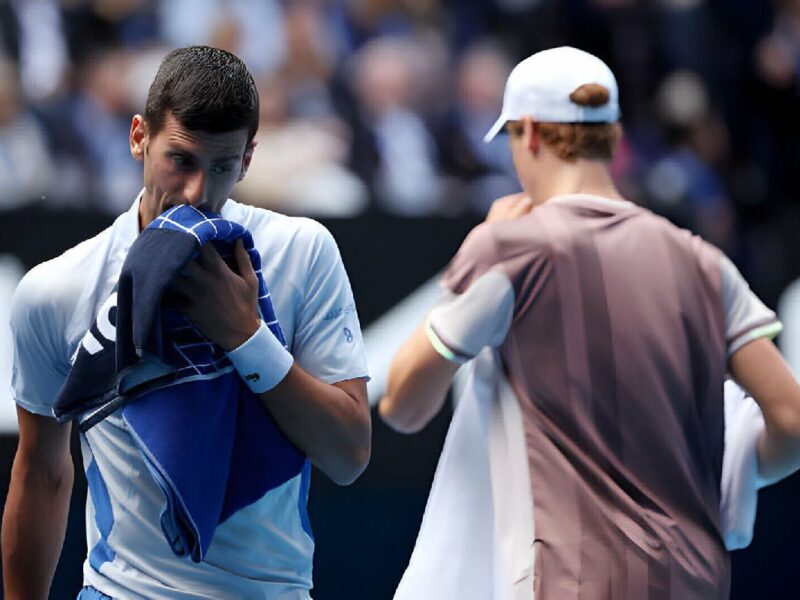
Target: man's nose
(194, 189)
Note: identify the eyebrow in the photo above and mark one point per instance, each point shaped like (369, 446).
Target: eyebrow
(193, 155)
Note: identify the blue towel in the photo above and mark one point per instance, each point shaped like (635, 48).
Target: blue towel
(209, 444)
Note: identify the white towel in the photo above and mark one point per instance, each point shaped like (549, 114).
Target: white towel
(476, 538)
(744, 424)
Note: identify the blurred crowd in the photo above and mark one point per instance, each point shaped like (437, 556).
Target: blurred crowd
(381, 105)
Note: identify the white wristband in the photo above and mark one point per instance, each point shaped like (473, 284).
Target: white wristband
(262, 361)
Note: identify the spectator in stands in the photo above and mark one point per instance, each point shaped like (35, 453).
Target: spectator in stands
(249, 28)
(684, 182)
(486, 168)
(24, 156)
(777, 63)
(100, 117)
(384, 78)
(299, 167)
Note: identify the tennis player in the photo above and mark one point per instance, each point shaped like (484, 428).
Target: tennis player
(615, 330)
(196, 141)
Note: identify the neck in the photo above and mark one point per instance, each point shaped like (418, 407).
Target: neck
(144, 220)
(145, 210)
(559, 178)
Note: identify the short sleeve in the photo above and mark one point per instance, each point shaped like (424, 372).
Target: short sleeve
(40, 366)
(477, 255)
(461, 325)
(328, 342)
(746, 317)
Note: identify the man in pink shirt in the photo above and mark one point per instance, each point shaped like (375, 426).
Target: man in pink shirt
(615, 330)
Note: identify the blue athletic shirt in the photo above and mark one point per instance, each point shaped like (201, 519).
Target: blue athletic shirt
(264, 550)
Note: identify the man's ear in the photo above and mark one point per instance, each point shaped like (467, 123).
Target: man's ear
(138, 137)
(531, 135)
(248, 156)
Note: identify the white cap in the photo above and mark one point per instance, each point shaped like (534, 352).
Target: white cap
(540, 86)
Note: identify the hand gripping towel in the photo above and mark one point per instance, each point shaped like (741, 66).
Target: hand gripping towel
(209, 444)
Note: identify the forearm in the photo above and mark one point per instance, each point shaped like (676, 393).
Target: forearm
(417, 387)
(330, 423)
(456, 329)
(331, 426)
(778, 455)
(34, 524)
(760, 369)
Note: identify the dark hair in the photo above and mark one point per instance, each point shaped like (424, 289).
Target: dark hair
(206, 89)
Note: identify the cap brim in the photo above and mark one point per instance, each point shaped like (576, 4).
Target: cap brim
(498, 125)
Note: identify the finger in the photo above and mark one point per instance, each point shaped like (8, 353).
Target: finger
(185, 287)
(211, 258)
(192, 270)
(505, 202)
(521, 207)
(497, 208)
(190, 311)
(502, 204)
(512, 198)
(243, 261)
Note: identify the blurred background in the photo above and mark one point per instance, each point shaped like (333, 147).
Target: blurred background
(372, 118)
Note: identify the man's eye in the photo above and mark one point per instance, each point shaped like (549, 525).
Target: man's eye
(221, 169)
(181, 161)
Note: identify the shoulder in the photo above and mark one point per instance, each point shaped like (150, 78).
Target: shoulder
(706, 255)
(489, 242)
(296, 252)
(275, 229)
(309, 233)
(479, 253)
(496, 242)
(49, 292)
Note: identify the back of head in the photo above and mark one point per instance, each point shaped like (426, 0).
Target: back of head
(206, 89)
(590, 141)
(573, 97)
